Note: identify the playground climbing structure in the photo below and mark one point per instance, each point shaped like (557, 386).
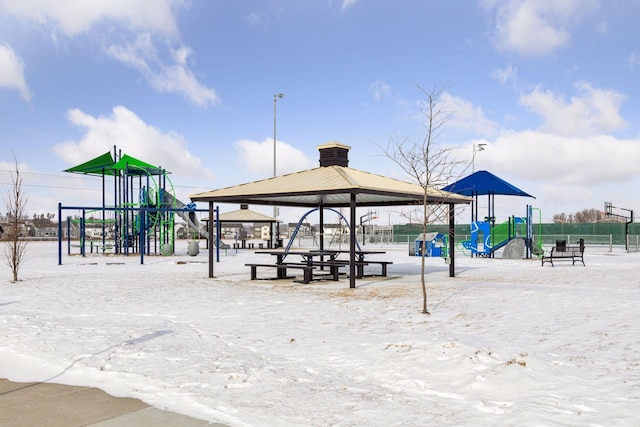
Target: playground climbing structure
(138, 217)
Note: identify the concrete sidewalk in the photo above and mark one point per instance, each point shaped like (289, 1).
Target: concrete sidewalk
(53, 405)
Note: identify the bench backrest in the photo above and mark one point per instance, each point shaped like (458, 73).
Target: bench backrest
(561, 245)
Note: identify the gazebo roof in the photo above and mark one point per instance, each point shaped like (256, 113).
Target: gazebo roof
(330, 186)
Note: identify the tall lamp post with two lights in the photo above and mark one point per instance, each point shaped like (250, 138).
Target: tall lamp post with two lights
(275, 209)
(476, 148)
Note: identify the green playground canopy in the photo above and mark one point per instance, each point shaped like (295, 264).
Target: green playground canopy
(134, 166)
(100, 165)
(105, 165)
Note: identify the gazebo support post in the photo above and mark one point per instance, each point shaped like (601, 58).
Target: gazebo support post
(321, 231)
(452, 236)
(352, 241)
(210, 239)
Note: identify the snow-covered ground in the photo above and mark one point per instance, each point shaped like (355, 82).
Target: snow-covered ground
(508, 342)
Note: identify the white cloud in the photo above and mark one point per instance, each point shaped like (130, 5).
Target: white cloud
(603, 28)
(564, 161)
(536, 27)
(593, 112)
(134, 137)
(172, 76)
(565, 174)
(509, 75)
(73, 17)
(143, 22)
(254, 19)
(467, 116)
(257, 157)
(347, 3)
(634, 60)
(12, 72)
(379, 89)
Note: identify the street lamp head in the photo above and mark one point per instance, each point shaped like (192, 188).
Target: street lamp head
(279, 95)
(479, 147)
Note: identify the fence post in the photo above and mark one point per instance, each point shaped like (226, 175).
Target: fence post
(610, 242)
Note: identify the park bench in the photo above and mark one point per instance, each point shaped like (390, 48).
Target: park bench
(361, 264)
(562, 252)
(281, 270)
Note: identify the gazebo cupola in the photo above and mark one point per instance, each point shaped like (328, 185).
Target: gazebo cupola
(334, 154)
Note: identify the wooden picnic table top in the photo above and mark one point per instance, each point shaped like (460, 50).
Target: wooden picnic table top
(358, 251)
(316, 252)
(306, 255)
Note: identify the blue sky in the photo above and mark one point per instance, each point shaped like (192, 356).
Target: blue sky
(551, 88)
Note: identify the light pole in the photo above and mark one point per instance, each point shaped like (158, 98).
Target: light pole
(275, 209)
(275, 102)
(476, 148)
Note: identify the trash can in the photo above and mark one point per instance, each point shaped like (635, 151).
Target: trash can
(167, 249)
(193, 248)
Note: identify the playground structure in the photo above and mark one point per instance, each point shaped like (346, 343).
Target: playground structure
(435, 244)
(486, 236)
(141, 218)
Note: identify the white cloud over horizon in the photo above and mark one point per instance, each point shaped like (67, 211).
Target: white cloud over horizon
(467, 116)
(586, 161)
(257, 157)
(571, 158)
(134, 137)
(593, 111)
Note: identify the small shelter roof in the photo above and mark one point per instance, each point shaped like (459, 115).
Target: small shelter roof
(483, 182)
(246, 216)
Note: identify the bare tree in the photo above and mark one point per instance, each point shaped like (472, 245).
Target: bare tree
(585, 216)
(589, 215)
(562, 218)
(431, 165)
(15, 202)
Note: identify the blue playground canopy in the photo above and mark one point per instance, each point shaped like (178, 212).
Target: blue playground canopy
(483, 182)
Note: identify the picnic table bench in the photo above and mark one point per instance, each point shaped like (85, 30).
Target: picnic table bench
(281, 270)
(562, 252)
(310, 269)
(361, 264)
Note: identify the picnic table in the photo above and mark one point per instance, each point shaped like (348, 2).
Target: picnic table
(315, 263)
